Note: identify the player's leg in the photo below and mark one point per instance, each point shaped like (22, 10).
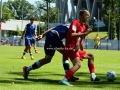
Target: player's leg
(91, 67)
(30, 42)
(24, 52)
(30, 52)
(39, 63)
(34, 45)
(65, 62)
(47, 59)
(71, 71)
(26, 49)
(97, 47)
(36, 65)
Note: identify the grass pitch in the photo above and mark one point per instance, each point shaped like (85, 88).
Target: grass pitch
(93, 35)
(48, 76)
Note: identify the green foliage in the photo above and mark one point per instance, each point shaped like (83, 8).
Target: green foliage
(18, 5)
(91, 21)
(39, 10)
(43, 11)
(51, 1)
(111, 7)
(53, 15)
(6, 13)
(40, 29)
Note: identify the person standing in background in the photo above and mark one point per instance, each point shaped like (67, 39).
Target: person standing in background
(30, 38)
(96, 42)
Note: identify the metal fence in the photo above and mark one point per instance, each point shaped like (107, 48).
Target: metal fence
(104, 44)
(88, 44)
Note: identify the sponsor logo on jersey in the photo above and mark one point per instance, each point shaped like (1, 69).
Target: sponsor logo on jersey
(74, 28)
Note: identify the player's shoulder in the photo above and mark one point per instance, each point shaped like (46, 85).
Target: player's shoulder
(34, 24)
(27, 24)
(66, 25)
(75, 22)
(98, 37)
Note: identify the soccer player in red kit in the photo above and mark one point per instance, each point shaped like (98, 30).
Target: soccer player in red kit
(77, 32)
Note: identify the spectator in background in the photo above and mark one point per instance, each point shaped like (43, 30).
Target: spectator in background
(7, 41)
(2, 42)
(96, 42)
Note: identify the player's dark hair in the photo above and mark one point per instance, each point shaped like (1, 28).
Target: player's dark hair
(32, 18)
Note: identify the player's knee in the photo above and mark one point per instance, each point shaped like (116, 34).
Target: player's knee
(48, 60)
(91, 56)
(77, 65)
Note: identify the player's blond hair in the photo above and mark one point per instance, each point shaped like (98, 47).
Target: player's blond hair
(83, 11)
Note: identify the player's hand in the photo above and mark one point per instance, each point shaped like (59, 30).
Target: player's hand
(76, 48)
(20, 41)
(88, 31)
(39, 37)
(87, 26)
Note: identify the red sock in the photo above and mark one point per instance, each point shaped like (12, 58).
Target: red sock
(91, 68)
(69, 74)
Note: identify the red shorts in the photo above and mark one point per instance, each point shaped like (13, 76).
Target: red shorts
(72, 55)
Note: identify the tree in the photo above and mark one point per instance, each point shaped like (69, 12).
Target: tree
(91, 22)
(111, 7)
(53, 15)
(21, 5)
(40, 29)
(118, 24)
(43, 11)
(6, 13)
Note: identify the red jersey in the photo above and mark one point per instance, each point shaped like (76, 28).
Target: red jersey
(75, 27)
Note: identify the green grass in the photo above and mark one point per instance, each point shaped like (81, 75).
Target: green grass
(48, 76)
(93, 34)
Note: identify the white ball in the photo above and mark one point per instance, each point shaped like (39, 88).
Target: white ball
(111, 76)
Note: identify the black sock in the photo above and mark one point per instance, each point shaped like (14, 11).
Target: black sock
(36, 65)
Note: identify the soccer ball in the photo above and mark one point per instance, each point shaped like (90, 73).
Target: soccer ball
(111, 76)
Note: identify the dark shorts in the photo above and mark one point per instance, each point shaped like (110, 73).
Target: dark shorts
(52, 41)
(29, 41)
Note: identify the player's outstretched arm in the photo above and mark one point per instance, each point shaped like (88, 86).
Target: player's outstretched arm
(42, 35)
(47, 31)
